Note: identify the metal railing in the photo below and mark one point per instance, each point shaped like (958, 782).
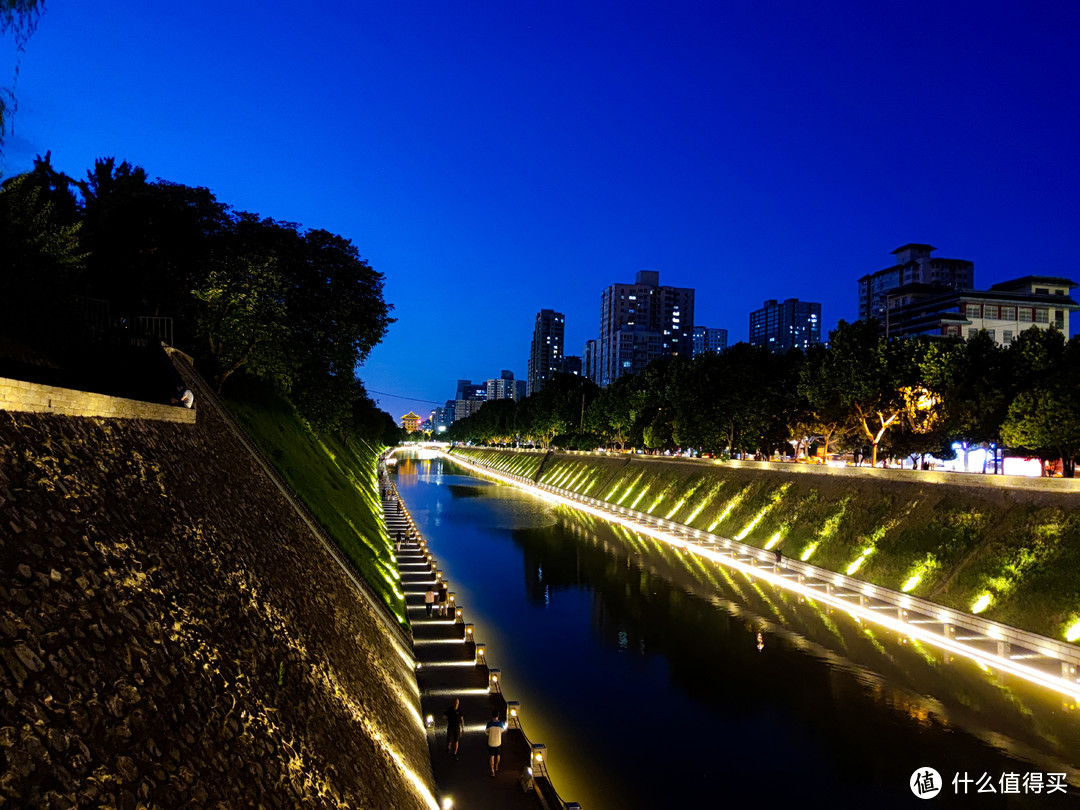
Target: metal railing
(1045, 660)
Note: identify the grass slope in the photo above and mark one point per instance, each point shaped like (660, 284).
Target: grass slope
(949, 543)
(338, 480)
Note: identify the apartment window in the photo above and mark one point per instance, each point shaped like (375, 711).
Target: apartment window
(991, 311)
(972, 332)
(1006, 336)
(990, 332)
(1042, 316)
(1059, 319)
(973, 311)
(1008, 313)
(1025, 314)
(1042, 290)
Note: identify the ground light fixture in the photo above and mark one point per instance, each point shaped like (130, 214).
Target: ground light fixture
(896, 623)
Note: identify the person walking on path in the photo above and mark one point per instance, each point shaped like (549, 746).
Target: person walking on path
(495, 729)
(399, 506)
(429, 600)
(443, 598)
(455, 725)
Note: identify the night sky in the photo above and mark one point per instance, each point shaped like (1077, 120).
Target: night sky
(492, 159)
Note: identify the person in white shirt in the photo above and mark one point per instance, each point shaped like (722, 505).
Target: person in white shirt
(495, 729)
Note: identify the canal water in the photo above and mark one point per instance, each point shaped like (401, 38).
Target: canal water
(657, 680)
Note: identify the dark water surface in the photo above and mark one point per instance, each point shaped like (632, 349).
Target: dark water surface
(639, 667)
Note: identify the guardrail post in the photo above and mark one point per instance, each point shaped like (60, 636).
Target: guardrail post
(1068, 671)
(513, 714)
(539, 759)
(1003, 649)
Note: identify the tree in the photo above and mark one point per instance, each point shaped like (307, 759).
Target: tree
(1046, 422)
(20, 17)
(41, 262)
(870, 375)
(243, 315)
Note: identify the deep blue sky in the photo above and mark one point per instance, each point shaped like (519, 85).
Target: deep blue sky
(492, 159)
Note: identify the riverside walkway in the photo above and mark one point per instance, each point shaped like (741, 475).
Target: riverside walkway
(450, 664)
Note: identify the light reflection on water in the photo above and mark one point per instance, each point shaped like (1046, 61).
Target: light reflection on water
(658, 679)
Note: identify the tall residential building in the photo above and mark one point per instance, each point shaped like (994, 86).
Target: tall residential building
(794, 324)
(640, 322)
(707, 339)
(590, 359)
(1004, 311)
(467, 389)
(913, 266)
(506, 387)
(571, 364)
(546, 350)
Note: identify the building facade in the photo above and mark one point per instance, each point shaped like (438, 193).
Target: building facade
(780, 327)
(640, 322)
(590, 359)
(506, 387)
(546, 349)
(1004, 311)
(914, 265)
(707, 339)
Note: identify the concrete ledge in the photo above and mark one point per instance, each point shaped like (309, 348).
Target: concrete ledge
(27, 397)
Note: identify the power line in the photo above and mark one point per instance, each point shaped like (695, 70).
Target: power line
(410, 399)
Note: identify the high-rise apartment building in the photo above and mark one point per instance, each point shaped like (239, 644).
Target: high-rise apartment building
(571, 364)
(914, 265)
(640, 322)
(506, 387)
(793, 324)
(546, 350)
(707, 339)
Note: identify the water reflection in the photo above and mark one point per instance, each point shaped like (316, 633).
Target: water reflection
(696, 683)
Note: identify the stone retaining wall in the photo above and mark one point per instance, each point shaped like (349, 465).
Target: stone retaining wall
(28, 397)
(173, 635)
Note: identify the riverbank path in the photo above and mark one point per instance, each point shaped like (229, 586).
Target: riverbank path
(449, 668)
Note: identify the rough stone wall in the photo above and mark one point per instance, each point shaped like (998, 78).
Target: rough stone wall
(171, 635)
(17, 395)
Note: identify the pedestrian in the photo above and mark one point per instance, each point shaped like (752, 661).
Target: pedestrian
(429, 600)
(399, 539)
(399, 506)
(455, 725)
(444, 598)
(495, 729)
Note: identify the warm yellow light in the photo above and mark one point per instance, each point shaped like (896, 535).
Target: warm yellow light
(539, 757)
(447, 803)
(513, 712)
(1073, 633)
(772, 541)
(911, 583)
(981, 604)
(810, 549)
(851, 569)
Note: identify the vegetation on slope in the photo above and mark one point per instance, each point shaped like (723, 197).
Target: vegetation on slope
(336, 477)
(1015, 551)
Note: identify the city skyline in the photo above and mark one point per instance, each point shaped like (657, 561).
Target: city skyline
(479, 157)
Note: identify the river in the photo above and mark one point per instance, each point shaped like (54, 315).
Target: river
(657, 680)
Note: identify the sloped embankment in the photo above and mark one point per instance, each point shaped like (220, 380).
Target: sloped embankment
(947, 538)
(173, 635)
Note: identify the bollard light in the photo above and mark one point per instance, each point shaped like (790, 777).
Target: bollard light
(450, 596)
(429, 721)
(512, 710)
(539, 755)
(447, 803)
(468, 631)
(480, 654)
(458, 614)
(493, 681)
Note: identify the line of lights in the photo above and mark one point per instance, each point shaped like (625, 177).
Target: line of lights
(915, 631)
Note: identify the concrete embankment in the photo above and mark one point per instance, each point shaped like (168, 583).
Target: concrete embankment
(955, 540)
(174, 635)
